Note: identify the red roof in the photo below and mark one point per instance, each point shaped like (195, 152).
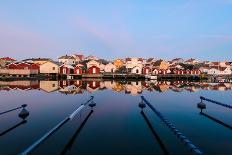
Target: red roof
(8, 59)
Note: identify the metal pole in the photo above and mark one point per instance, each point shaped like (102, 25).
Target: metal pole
(216, 102)
(54, 129)
(22, 106)
(194, 149)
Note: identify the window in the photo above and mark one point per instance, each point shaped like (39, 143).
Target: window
(53, 68)
(53, 85)
(137, 71)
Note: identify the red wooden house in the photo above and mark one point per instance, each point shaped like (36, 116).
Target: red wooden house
(94, 70)
(146, 70)
(66, 69)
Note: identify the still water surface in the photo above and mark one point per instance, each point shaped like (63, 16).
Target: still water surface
(115, 125)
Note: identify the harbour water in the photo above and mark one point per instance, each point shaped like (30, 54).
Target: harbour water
(116, 124)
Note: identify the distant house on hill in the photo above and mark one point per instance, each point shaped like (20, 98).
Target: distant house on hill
(5, 61)
(67, 60)
(160, 64)
(78, 57)
(191, 61)
(177, 61)
(38, 61)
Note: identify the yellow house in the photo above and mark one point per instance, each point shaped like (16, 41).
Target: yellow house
(49, 67)
(118, 63)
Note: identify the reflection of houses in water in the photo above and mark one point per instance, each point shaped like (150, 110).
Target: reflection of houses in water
(161, 86)
(49, 86)
(133, 88)
(130, 87)
(93, 86)
(118, 87)
(69, 89)
(109, 84)
(19, 85)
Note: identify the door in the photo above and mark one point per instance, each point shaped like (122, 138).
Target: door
(94, 70)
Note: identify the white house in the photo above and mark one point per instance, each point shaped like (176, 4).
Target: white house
(220, 71)
(134, 65)
(136, 70)
(110, 68)
(67, 60)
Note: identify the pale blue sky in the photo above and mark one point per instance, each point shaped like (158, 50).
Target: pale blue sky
(122, 28)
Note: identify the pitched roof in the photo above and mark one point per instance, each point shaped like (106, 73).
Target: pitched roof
(66, 57)
(190, 60)
(8, 59)
(38, 59)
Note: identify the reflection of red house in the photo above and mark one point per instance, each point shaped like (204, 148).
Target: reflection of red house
(93, 84)
(146, 70)
(94, 70)
(78, 83)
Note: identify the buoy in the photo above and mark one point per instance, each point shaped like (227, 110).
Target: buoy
(24, 113)
(92, 104)
(23, 105)
(142, 105)
(201, 105)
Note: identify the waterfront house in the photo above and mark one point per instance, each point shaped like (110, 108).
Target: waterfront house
(160, 64)
(20, 69)
(50, 68)
(155, 71)
(93, 67)
(66, 69)
(79, 69)
(147, 70)
(134, 65)
(136, 70)
(110, 68)
(67, 60)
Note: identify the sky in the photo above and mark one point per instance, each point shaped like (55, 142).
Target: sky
(200, 29)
